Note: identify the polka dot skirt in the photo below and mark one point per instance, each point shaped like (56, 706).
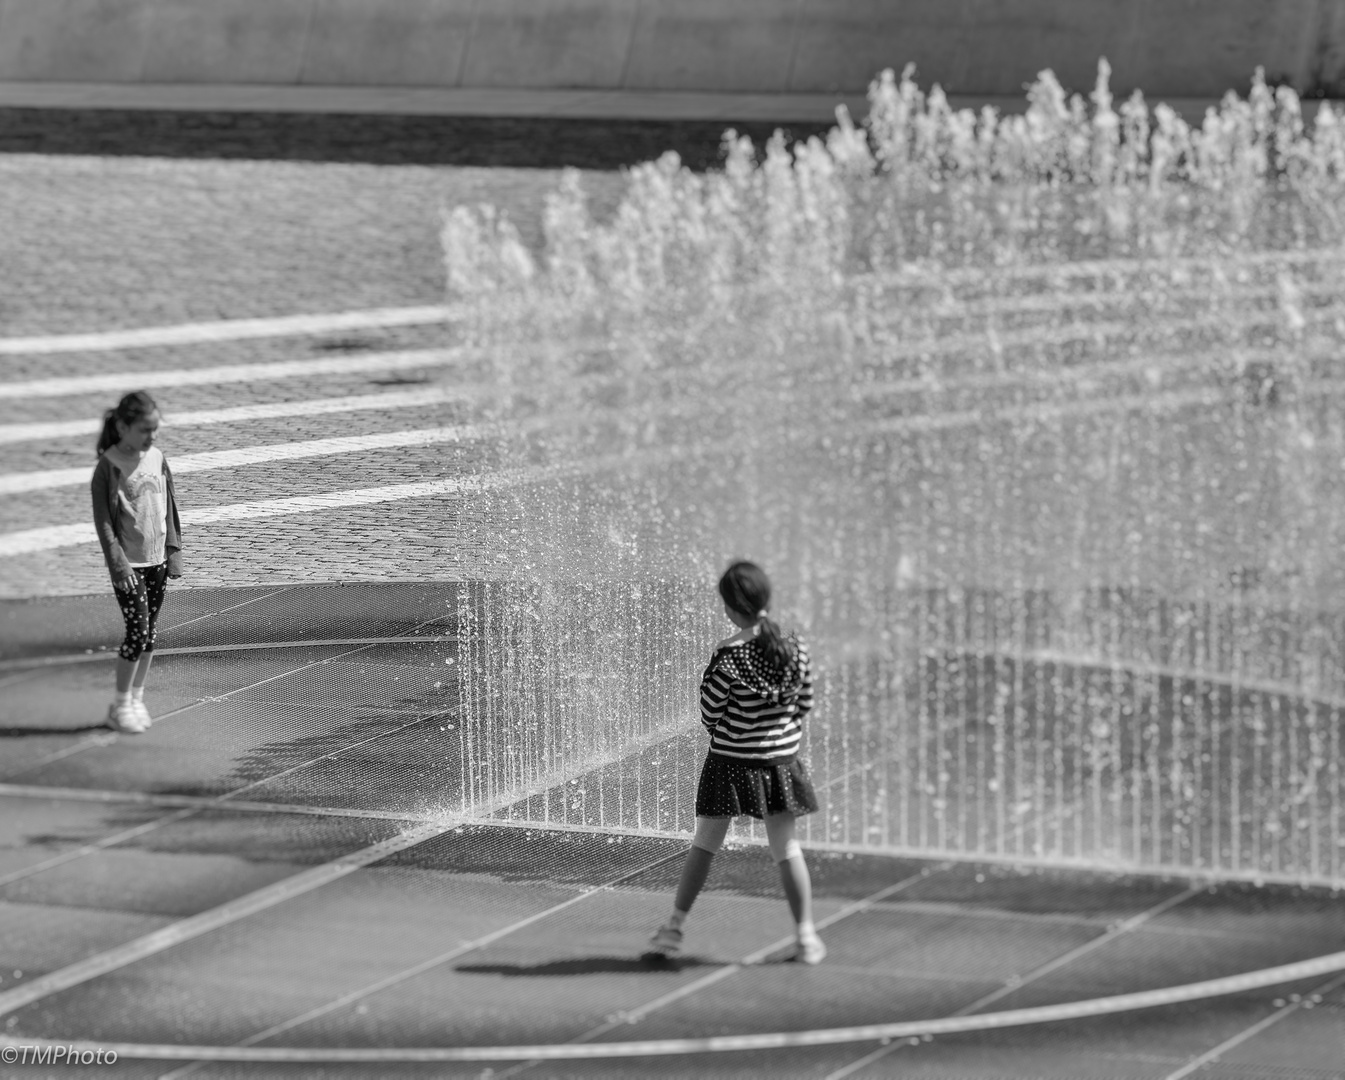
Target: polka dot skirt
(732, 788)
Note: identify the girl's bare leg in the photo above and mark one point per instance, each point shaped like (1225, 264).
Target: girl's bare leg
(710, 833)
(793, 870)
(694, 872)
(125, 670)
(141, 671)
(797, 885)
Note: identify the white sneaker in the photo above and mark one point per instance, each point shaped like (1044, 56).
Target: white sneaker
(142, 713)
(809, 950)
(667, 941)
(124, 718)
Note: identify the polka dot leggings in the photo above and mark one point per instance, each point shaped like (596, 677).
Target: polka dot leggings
(140, 609)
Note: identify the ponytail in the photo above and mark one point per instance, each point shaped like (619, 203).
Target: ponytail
(131, 408)
(773, 644)
(747, 590)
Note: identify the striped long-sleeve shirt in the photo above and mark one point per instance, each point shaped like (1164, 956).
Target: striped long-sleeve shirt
(751, 709)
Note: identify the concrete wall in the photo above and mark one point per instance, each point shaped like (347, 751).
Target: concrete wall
(1170, 48)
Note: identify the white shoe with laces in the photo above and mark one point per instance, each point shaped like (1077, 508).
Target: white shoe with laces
(125, 719)
(142, 713)
(809, 950)
(667, 941)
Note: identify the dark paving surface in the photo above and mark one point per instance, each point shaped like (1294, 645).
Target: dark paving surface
(496, 142)
(497, 933)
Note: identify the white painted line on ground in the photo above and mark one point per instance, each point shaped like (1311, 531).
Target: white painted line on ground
(156, 378)
(227, 330)
(905, 1029)
(47, 479)
(279, 410)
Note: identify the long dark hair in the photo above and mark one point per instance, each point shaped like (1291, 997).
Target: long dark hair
(747, 590)
(134, 406)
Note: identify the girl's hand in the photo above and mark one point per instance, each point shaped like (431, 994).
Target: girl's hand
(126, 584)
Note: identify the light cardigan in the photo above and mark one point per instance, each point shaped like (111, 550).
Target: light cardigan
(753, 711)
(106, 520)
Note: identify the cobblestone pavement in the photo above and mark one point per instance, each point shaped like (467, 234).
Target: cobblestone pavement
(412, 538)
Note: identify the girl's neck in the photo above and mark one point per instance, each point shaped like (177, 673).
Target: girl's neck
(129, 452)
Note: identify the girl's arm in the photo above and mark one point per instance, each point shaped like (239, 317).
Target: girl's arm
(804, 703)
(104, 502)
(715, 686)
(173, 533)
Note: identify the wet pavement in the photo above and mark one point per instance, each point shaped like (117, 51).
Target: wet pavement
(299, 855)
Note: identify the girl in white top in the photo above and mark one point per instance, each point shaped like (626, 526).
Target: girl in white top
(135, 515)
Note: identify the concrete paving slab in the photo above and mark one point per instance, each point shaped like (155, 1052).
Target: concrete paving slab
(34, 830)
(791, 997)
(68, 624)
(51, 626)
(954, 944)
(1143, 960)
(351, 683)
(1085, 893)
(213, 748)
(418, 771)
(1312, 1038)
(146, 883)
(37, 938)
(32, 750)
(1152, 1043)
(75, 699)
(237, 982)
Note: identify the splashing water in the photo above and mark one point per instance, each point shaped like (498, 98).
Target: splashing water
(1034, 420)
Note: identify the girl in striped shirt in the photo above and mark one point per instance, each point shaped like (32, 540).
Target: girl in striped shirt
(753, 698)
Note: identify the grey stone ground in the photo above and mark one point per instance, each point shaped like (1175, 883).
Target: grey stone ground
(267, 764)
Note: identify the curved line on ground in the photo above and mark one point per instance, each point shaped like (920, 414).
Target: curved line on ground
(905, 1029)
